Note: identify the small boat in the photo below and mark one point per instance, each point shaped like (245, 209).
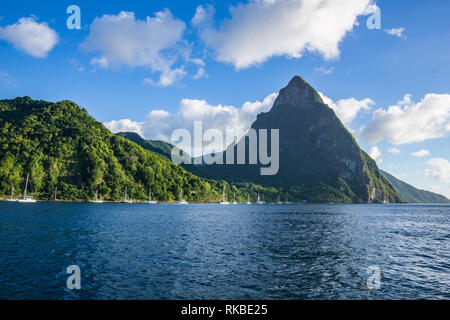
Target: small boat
(150, 201)
(97, 200)
(12, 196)
(248, 199)
(279, 200)
(54, 197)
(224, 201)
(125, 200)
(181, 201)
(259, 200)
(26, 199)
(234, 200)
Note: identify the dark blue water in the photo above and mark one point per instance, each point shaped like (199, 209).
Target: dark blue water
(224, 252)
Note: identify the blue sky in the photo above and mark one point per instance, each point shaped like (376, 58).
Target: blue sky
(359, 70)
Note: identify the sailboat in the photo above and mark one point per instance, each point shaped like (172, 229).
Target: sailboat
(224, 201)
(125, 200)
(386, 199)
(150, 201)
(54, 197)
(279, 200)
(181, 201)
(234, 200)
(248, 199)
(12, 196)
(97, 200)
(26, 199)
(259, 200)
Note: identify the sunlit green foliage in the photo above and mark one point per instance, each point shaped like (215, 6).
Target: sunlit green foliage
(61, 146)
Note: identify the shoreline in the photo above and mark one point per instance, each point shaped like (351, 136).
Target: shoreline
(6, 200)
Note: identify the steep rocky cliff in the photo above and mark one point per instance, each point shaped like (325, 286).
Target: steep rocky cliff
(319, 158)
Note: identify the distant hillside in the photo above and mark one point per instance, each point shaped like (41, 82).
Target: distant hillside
(160, 147)
(413, 195)
(61, 145)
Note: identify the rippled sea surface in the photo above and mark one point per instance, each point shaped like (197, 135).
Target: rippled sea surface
(208, 251)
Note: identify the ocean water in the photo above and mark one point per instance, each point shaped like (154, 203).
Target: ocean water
(208, 251)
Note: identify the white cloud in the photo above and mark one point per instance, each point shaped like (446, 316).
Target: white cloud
(394, 151)
(262, 29)
(439, 168)
(409, 122)
(167, 78)
(348, 109)
(396, 32)
(155, 43)
(159, 124)
(28, 35)
(201, 73)
(125, 125)
(375, 154)
(420, 153)
(198, 62)
(324, 70)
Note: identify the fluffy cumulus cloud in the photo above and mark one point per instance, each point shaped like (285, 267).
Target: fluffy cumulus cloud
(409, 122)
(375, 154)
(155, 43)
(439, 168)
(262, 29)
(30, 36)
(348, 109)
(160, 124)
(125, 125)
(420, 153)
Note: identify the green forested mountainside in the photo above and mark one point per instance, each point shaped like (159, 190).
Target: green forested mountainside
(411, 194)
(407, 192)
(235, 175)
(61, 145)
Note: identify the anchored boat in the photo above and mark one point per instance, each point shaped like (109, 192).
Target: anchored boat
(26, 198)
(125, 200)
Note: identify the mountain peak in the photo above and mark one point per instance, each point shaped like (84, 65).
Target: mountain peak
(298, 93)
(298, 81)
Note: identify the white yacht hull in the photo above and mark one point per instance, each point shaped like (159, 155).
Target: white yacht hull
(27, 201)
